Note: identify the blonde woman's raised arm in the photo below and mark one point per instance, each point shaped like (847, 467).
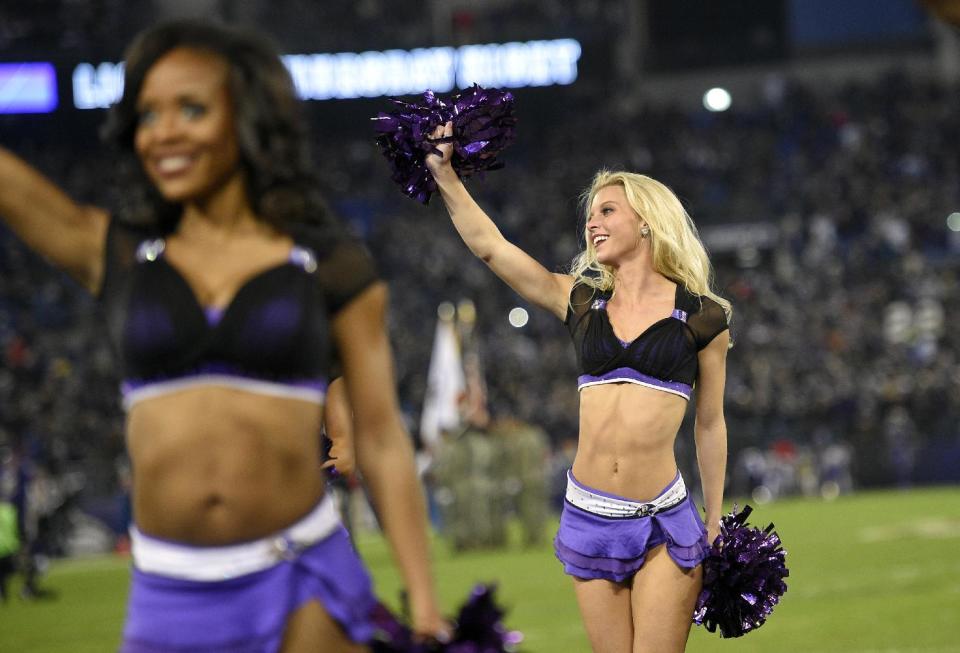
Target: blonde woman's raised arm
(518, 269)
(69, 235)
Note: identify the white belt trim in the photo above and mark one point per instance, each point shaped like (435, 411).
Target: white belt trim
(590, 384)
(605, 506)
(254, 386)
(215, 563)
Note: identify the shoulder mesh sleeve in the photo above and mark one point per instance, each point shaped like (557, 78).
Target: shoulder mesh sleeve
(344, 265)
(119, 254)
(707, 323)
(581, 298)
(119, 259)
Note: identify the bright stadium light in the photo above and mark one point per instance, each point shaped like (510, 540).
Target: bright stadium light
(518, 317)
(717, 99)
(953, 221)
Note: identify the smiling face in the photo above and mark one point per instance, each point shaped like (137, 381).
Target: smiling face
(185, 136)
(613, 227)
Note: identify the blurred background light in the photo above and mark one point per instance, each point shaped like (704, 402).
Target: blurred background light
(518, 317)
(28, 87)
(717, 99)
(953, 221)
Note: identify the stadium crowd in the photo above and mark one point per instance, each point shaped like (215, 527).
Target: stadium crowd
(843, 321)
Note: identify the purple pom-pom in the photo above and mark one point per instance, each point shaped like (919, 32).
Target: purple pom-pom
(479, 629)
(483, 126)
(742, 577)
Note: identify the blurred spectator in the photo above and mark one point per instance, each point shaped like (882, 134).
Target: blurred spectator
(525, 458)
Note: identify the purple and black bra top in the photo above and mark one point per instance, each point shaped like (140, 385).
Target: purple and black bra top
(273, 337)
(663, 357)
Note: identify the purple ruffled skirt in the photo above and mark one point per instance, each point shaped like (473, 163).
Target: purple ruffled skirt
(614, 548)
(248, 614)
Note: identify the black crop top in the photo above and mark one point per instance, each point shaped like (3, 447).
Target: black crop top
(273, 338)
(663, 357)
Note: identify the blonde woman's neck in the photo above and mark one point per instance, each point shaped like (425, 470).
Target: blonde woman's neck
(637, 278)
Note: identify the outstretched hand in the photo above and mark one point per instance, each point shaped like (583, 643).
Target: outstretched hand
(439, 164)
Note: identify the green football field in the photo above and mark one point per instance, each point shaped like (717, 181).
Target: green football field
(876, 572)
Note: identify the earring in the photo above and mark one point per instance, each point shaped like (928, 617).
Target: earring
(644, 231)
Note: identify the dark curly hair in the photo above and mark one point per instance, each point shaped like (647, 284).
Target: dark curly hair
(271, 132)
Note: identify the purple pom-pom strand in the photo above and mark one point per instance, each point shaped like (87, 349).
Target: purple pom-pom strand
(483, 126)
(742, 577)
(479, 629)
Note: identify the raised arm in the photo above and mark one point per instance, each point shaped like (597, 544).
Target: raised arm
(384, 448)
(69, 235)
(518, 269)
(710, 428)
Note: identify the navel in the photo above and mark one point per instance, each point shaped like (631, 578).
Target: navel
(213, 501)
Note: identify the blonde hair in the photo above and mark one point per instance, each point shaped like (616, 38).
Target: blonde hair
(677, 251)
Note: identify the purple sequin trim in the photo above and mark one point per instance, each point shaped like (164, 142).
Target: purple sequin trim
(629, 375)
(483, 126)
(680, 315)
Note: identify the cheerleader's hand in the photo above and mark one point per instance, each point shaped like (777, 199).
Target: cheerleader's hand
(713, 531)
(342, 457)
(439, 164)
(429, 625)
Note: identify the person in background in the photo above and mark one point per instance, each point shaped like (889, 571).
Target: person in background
(525, 463)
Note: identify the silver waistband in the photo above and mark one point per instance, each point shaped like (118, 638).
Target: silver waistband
(212, 563)
(605, 506)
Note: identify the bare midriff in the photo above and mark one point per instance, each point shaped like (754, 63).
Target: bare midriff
(627, 433)
(214, 465)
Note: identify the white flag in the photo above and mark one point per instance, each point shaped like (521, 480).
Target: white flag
(445, 385)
